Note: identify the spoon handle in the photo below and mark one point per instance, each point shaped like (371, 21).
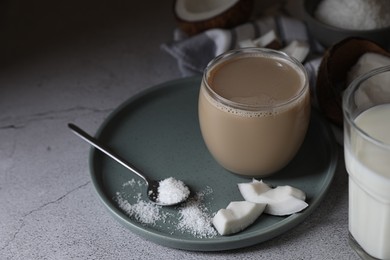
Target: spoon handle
(95, 143)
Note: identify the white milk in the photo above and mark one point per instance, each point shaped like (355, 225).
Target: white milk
(368, 165)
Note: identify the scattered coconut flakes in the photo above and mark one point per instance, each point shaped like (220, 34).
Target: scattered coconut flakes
(195, 218)
(129, 183)
(171, 191)
(142, 211)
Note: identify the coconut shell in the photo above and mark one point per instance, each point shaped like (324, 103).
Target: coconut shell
(235, 15)
(333, 71)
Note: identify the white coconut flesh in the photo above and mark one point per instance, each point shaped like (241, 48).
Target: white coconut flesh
(281, 201)
(237, 216)
(199, 10)
(253, 189)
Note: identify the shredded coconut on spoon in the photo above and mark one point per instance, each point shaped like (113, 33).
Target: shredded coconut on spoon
(172, 191)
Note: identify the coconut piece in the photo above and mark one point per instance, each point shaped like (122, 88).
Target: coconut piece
(237, 216)
(281, 201)
(333, 71)
(370, 94)
(268, 40)
(368, 61)
(253, 189)
(247, 43)
(297, 49)
(194, 17)
(289, 205)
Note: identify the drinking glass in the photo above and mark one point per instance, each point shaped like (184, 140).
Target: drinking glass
(254, 134)
(366, 108)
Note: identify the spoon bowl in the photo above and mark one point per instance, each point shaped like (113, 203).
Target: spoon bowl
(153, 186)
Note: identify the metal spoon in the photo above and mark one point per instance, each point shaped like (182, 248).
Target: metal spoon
(152, 185)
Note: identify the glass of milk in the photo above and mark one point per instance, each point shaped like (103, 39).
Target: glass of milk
(366, 108)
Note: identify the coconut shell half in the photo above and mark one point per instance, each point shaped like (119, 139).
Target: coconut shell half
(333, 71)
(237, 14)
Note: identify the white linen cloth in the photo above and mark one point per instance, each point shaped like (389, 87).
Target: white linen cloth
(194, 53)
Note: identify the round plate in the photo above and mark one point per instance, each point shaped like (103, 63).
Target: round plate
(157, 130)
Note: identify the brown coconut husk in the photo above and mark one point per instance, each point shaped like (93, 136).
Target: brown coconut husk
(237, 14)
(333, 71)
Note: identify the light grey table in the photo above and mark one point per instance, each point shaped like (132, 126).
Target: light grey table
(76, 61)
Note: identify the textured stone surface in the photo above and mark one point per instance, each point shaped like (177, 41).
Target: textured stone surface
(75, 62)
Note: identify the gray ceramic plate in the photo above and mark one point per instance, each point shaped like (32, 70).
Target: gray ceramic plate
(157, 130)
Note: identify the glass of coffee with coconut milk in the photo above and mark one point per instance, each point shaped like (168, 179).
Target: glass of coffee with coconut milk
(366, 108)
(254, 110)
